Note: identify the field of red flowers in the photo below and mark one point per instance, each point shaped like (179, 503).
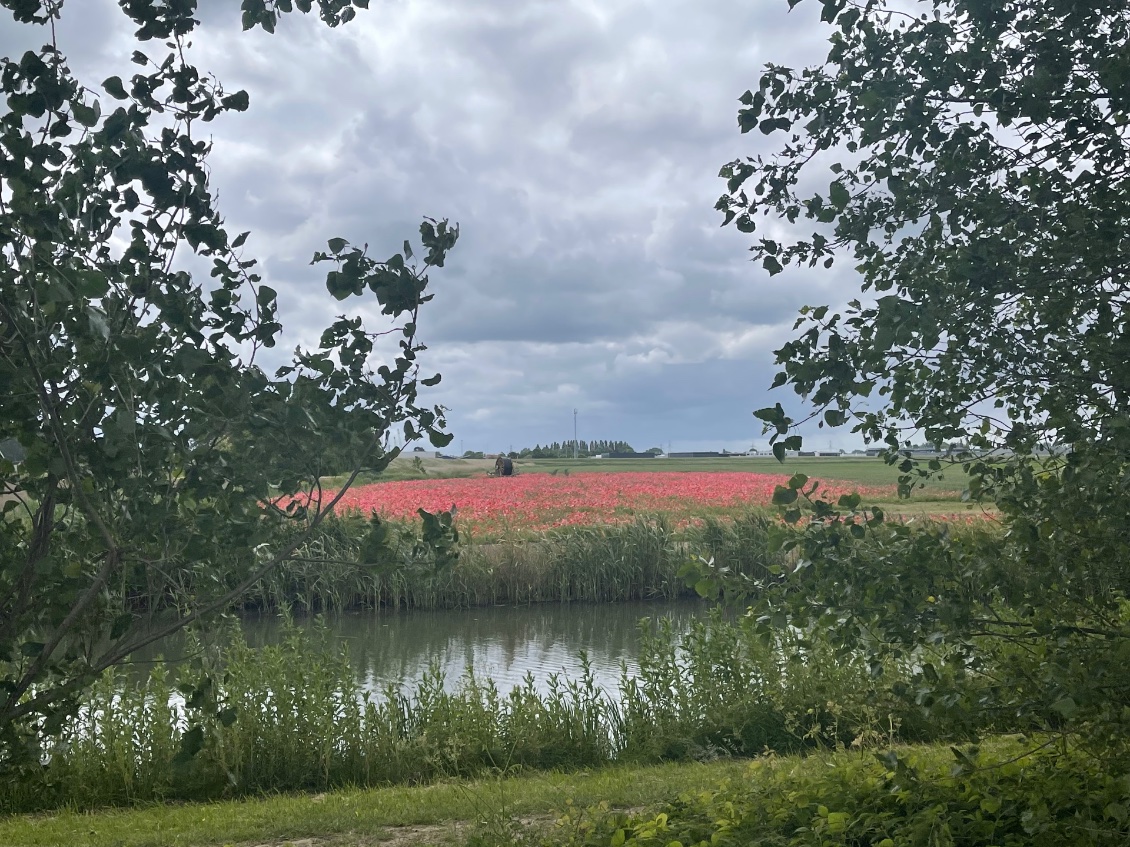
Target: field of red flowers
(490, 506)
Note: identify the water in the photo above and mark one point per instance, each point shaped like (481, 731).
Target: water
(503, 643)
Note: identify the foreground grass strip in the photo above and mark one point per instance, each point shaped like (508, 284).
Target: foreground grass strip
(362, 817)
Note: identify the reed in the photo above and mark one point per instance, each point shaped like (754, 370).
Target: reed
(639, 560)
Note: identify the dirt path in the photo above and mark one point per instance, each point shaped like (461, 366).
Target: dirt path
(432, 835)
(447, 834)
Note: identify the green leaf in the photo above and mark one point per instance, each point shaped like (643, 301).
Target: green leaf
(838, 822)
(238, 102)
(336, 245)
(838, 195)
(706, 588)
(113, 86)
(121, 625)
(439, 439)
(834, 417)
(783, 496)
(191, 743)
(1066, 706)
(771, 414)
(86, 115)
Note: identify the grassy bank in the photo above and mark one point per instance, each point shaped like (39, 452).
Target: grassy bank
(294, 716)
(637, 560)
(446, 813)
(904, 796)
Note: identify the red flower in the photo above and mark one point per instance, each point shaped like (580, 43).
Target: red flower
(536, 502)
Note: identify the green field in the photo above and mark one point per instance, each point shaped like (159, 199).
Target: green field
(863, 470)
(860, 469)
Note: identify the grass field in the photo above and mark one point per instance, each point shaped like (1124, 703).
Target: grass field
(858, 469)
(862, 470)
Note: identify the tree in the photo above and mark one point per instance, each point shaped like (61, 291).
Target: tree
(165, 470)
(971, 160)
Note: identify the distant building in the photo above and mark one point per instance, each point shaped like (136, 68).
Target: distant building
(699, 454)
(627, 456)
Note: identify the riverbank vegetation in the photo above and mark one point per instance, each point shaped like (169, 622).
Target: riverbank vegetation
(999, 792)
(637, 560)
(293, 716)
(642, 558)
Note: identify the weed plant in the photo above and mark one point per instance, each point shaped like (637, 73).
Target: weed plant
(1005, 793)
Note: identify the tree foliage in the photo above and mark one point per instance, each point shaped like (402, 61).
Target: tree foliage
(970, 159)
(156, 443)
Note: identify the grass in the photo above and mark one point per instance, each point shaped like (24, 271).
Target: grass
(829, 797)
(405, 468)
(862, 469)
(364, 816)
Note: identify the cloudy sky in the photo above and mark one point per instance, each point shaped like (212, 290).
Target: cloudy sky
(577, 144)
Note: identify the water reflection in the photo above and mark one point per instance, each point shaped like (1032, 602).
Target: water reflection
(502, 643)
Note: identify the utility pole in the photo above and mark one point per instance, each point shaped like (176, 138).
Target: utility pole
(574, 434)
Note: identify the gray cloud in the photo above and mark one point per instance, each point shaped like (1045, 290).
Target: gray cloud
(577, 144)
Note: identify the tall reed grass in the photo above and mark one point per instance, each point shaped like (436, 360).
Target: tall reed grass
(634, 561)
(293, 716)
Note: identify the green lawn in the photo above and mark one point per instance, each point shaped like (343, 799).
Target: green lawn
(861, 469)
(437, 814)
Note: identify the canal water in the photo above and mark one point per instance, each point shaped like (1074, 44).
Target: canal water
(503, 643)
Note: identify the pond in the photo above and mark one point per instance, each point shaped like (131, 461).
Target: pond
(503, 643)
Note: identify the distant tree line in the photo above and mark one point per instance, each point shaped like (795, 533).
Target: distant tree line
(585, 449)
(564, 449)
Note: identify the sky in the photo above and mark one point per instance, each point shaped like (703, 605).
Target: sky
(577, 144)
